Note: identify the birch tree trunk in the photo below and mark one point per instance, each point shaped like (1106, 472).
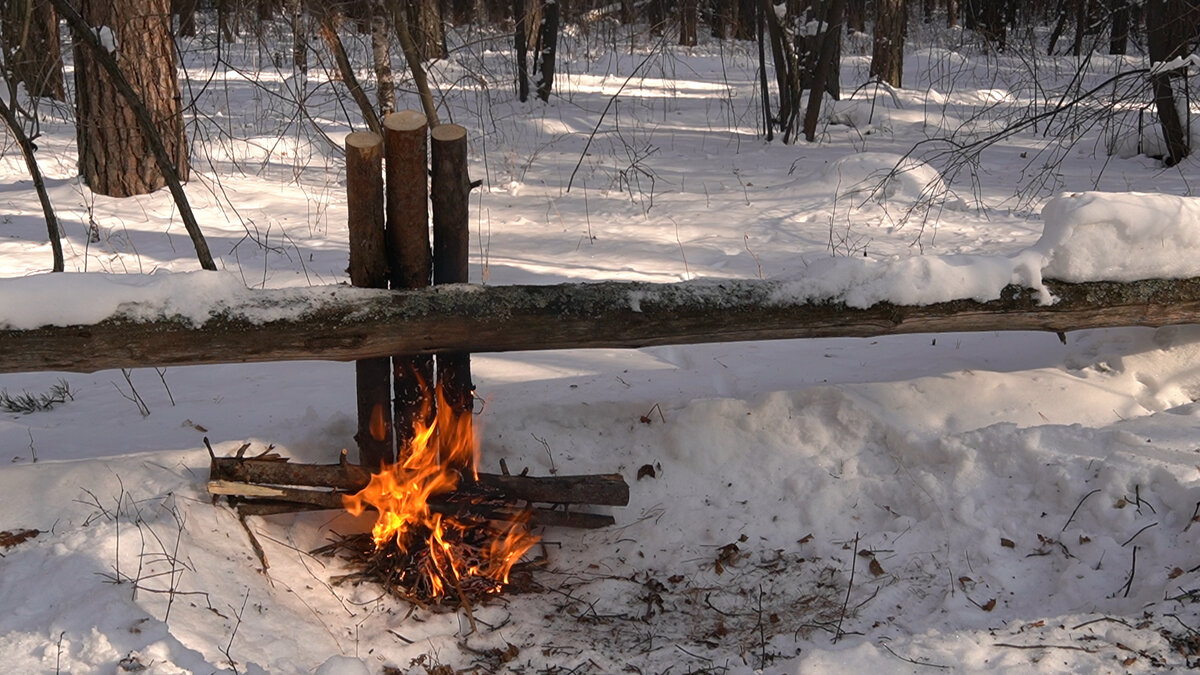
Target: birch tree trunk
(385, 84)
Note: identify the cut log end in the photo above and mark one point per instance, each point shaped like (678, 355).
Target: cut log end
(364, 140)
(448, 133)
(405, 120)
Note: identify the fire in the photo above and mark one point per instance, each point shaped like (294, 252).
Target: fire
(433, 463)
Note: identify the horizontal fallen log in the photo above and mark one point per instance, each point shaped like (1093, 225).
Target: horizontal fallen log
(265, 500)
(599, 489)
(341, 323)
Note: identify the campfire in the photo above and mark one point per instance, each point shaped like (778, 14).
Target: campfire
(443, 533)
(429, 551)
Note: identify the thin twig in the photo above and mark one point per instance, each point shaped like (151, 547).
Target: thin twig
(1077, 506)
(912, 661)
(841, 617)
(1135, 534)
(612, 99)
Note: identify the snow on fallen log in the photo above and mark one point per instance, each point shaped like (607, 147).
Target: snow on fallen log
(87, 322)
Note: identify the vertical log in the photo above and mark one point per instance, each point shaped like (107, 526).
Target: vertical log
(451, 245)
(409, 258)
(368, 269)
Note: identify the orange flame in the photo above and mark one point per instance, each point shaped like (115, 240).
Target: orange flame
(378, 425)
(432, 464)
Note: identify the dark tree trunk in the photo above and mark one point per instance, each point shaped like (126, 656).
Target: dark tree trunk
(548, 48)
(887, 57)
(952, 7)
(521, 47)
(1168, 35)
(992, 22)
(825, 74)
(720, 12)
(425, 24)
(498, 11)
(688, 17)
(787, 70)
(1060, 25)
(744, 13)
(1081, 24)
(856, 16)
(186, 11)
(31, 47)
(768, 122)
(115, 157)
(227, 19)
(1119, 37)
(657, 14)
(461, 12)
(627, 14)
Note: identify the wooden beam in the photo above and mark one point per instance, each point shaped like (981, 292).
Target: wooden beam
(341, 324)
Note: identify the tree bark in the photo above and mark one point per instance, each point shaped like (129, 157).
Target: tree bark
(32, 48)
(450, 191)
(347, 323)
(688, 18)
(385, 85)
(1119, 36)
(115, 157)
(827, 67)
(599, 489)
(548, 48)
(787, 70)
(186, 11)
(168, 166)
(410, 259)
(521, 49)
(856, 16)
(887, 57)
(1167, 36)
(368, 269)
(425, 26)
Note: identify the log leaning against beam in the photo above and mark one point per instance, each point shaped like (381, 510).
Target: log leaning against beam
(339, 323)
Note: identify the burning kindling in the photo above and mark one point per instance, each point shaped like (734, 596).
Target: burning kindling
(450, 551)
(443, 532)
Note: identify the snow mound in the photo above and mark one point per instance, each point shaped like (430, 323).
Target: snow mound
(1119, 236)
(884, 176)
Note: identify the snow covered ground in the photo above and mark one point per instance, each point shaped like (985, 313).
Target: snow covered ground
(955, 502)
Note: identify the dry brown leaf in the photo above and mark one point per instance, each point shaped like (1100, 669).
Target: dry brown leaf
(989, 605)
(10, 538)
(876, 568)
(1007, 543)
